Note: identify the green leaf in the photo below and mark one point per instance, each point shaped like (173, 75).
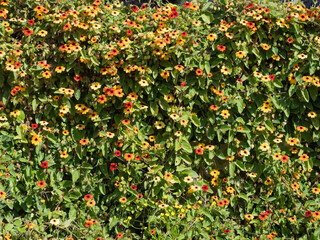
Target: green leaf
(243, 196)
(315, 123)
(240, 105)
(95, 60)
(195, 120)
(21, 116)
(313, 90)
(34, 104)
(77, 94)
(186, 145)
(292, 89)
(207, 17)
(154, 108)
(52, 138)
(113, 222)
(269, 125)
(207, 67)
(305, 95)
(75, 175)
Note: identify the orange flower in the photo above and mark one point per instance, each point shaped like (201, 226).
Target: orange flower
(304, 157)
(295, 186)
(303, 17)
(41, 184)
(125, 121)
(84, 141)
(220, 203)
(214, 107)
(128, 156)
(67, 26)
(102, 98)
(119, 235)
(316, 214)
(199, 72)
(91, 203)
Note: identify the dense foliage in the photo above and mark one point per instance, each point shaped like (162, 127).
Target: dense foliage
(176, 122)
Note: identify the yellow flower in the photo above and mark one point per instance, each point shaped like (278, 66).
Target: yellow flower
(215, 173)
(212, 37)
(264, 146)
(240, 54)
(165, 74)
(95, 86)
(46, 74)
(159, 124)
(15, 113)
(302, 56)
(265, 46)
(292, 79)
(64, 154)
(248, 217)
(42, 33)
(169, 98)
(225, 114)
(225, 70)
(268, 181)
(312, 114)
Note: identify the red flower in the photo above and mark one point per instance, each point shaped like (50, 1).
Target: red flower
(129, 105)
(119, 235)
(184, 34)
(129, 32)
(34, 125)
(117, 153)
(88, 224)
(44, 164)
(187, 4)
(226, 231)
(27, 32)
(17, 88)
(31, 22)
(308, 214)
(67, 26)
(143, 6)
(250, 24)
(135, 8)
(199, 151)
(205, 188)
(41, 184)
(140, 196)
(138, 157)
(239, 80)
(77, 78)
(289, 17)
(268, 212)
(284, 158)
(113, 166)
(221, 48)
(183, 84)
(88, 197)
(250, 5)
(62, 47)
(17, 65)
(173, 9)
(263, 216)
(271, 77)
(133, 187)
